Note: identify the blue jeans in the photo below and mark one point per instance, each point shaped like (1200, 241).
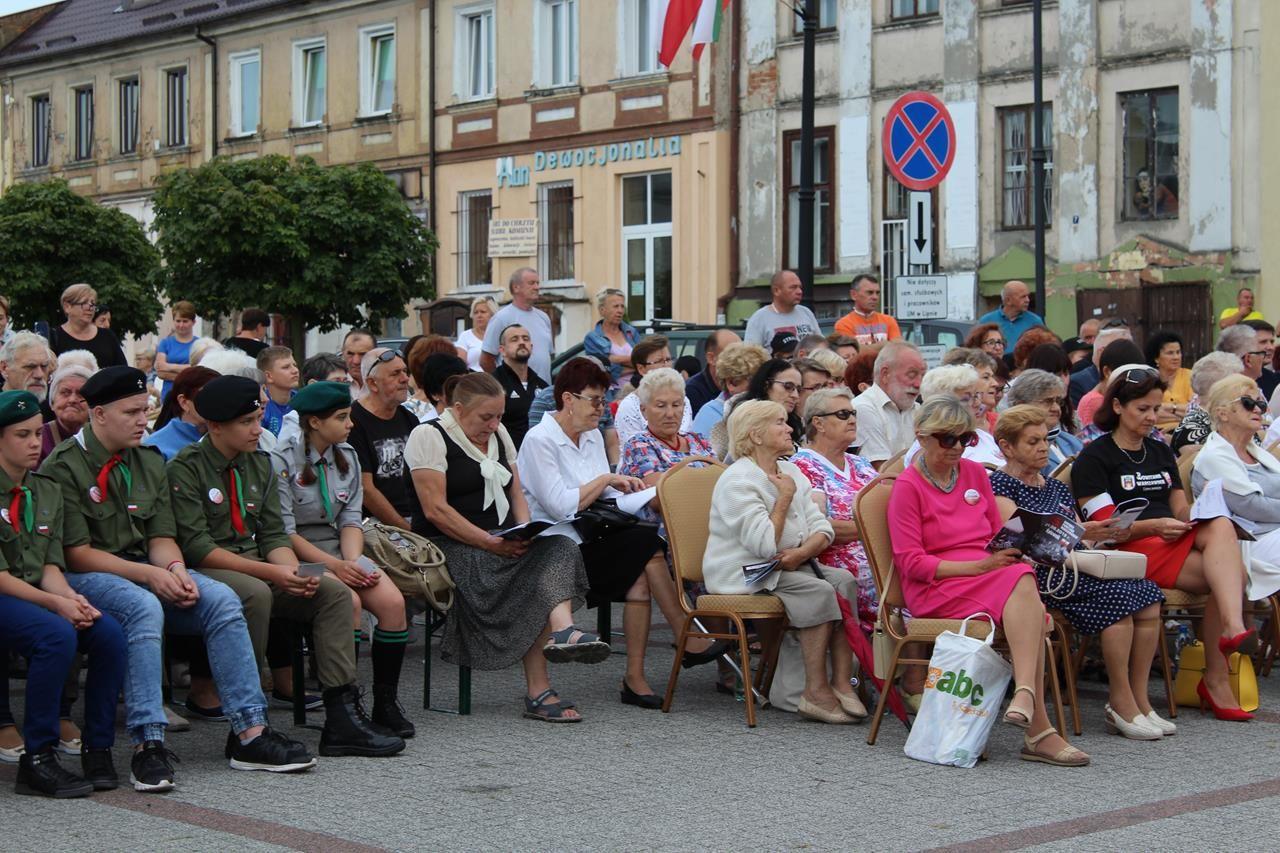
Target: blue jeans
(217, 615)
(49, 643)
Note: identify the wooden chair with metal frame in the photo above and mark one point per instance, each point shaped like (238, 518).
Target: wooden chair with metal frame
(684, 492)
(1063, 471)
(872, 512)
(894, 465)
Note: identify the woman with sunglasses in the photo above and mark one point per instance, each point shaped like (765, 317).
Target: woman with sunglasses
(1201, 557)
(1250, 476)
(831, 428)
(777, 381)
(942, 513)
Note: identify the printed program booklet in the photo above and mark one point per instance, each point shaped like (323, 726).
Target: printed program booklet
(1043, 537)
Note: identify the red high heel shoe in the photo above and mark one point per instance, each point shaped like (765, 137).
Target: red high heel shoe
(1246, 642)
(1235, 715)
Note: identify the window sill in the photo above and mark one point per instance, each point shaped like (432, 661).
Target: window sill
(241, 138)
(174, 150)
(461, 105)
(1014, 9)
(389, 117)
(553, 93)
(636, 81)
(797, 39)
(132, 157)
(907, 23)
(308, 129)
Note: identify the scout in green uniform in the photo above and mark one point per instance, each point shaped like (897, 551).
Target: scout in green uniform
(119, 539)
(318, 476)
(227, 507)
(46, 621)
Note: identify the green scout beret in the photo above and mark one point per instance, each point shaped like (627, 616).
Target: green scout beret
(227, 398)
(17, 406)
(113, 383)
(321, 397)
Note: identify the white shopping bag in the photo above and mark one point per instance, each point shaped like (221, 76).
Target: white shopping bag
(962, 696)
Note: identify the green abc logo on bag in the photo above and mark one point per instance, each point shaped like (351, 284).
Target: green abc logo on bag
(958, 684)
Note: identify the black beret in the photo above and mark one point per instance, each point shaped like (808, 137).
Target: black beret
(227, 398)
(17, 406)
(113, 383)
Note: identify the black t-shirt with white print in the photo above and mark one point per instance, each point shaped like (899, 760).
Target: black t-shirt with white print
(1150, 473)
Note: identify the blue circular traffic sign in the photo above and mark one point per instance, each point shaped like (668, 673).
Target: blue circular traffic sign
(919, 140)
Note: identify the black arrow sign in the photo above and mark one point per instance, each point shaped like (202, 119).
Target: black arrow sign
(920, 239)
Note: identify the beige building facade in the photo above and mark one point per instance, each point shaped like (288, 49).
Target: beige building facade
(554, 124)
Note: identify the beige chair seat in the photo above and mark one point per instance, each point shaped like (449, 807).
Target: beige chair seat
(931, 628)
(743, 605)
(1178, 598)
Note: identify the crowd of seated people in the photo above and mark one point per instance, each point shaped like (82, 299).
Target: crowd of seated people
(235, 506)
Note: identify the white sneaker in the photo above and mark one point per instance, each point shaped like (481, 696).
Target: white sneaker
(1166, 728)
(1139, 728)
(11, 754)
(69, 747)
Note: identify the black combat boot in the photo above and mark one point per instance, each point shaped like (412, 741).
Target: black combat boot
(349, 731)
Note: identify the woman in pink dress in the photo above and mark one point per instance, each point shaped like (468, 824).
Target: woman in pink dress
(942, 513)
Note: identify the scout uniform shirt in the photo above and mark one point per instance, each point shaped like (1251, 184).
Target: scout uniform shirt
(30, 527)
(304, 508)
(212, 512)
(112, 502)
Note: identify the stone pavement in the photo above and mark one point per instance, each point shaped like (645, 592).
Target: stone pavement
(696, 779)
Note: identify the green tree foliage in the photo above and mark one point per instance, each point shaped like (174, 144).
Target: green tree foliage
(51, 237)
(328, 246)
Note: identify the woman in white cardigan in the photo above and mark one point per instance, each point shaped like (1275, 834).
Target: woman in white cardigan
(763, 510)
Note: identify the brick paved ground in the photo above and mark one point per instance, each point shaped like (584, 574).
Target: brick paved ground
(694, 779)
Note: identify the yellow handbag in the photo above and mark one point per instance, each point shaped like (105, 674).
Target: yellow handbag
(1244, 683)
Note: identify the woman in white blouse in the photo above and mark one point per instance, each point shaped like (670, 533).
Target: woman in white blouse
(763, 510)
(961, 381)
(563, 471)
(482, 311)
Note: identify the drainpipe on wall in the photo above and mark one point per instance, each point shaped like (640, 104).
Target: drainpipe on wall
(735, 134)
(213, 46)
(432, 207)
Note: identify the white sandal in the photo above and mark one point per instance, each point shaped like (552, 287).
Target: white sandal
(1016, 717)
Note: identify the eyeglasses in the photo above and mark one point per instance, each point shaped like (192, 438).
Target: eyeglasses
(92, 306)
(994, 342)
(811, 388)
(947, 440)
(1259, 353)
(1251, 405)
(593, 402)
(660, 362)
(1059, 402)
(789, 387)
(842, 414)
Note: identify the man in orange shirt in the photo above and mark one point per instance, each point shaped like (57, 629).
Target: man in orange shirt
(864, 323)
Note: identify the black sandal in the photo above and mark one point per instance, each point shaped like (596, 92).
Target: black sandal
(588, 648)
(548, 712)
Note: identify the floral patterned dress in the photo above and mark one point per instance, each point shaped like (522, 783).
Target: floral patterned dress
(644, 454)
(841, 489)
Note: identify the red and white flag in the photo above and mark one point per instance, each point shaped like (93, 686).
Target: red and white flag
(669, 22)
(706, 30)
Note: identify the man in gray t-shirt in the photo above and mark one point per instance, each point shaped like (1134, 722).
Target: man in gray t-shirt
(784, 314)
(525, 287)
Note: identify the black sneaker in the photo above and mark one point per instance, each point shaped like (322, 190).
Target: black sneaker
(41, 774)
(270, 751)
(310, 701)
(196, 712)
(152, 768)
(99, 769)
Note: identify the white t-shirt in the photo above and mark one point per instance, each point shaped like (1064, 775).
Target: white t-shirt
(539, 326)
(473, 345)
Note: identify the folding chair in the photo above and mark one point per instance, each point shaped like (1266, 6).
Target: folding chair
(685, 495)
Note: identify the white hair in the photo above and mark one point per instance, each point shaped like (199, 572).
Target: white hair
(228, 362)
(202, 348)
(21, 341)
(829, 361)
(66, 371)
(1212, 367)
(662, 379)
(1238, 340)
(889, 354)
(603, 296)
(948, 379)
(81, 357)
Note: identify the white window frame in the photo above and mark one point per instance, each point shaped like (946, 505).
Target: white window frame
(368, 36)
(166, 108)
(465, 90)
(302, 50)
(633, 28)
(464, 247)
(828, 16)
(235, 94)
(556, 70)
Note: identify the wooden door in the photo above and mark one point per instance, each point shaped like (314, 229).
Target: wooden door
(1183, 309)
(1105, 303)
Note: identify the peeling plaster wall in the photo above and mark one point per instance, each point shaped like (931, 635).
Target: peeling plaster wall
(854, 147)
(960, 93)
(1209, 135)
(1075, 119)
(760, 162)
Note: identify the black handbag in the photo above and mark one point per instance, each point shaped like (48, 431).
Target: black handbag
(603, 518)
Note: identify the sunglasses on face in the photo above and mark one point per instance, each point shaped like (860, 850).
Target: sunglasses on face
(593, 402)
(1253, 405)
(789, 387)
(947, 440)
(842, 414)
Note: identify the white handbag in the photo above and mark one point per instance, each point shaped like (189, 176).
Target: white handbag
(1109, 565)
